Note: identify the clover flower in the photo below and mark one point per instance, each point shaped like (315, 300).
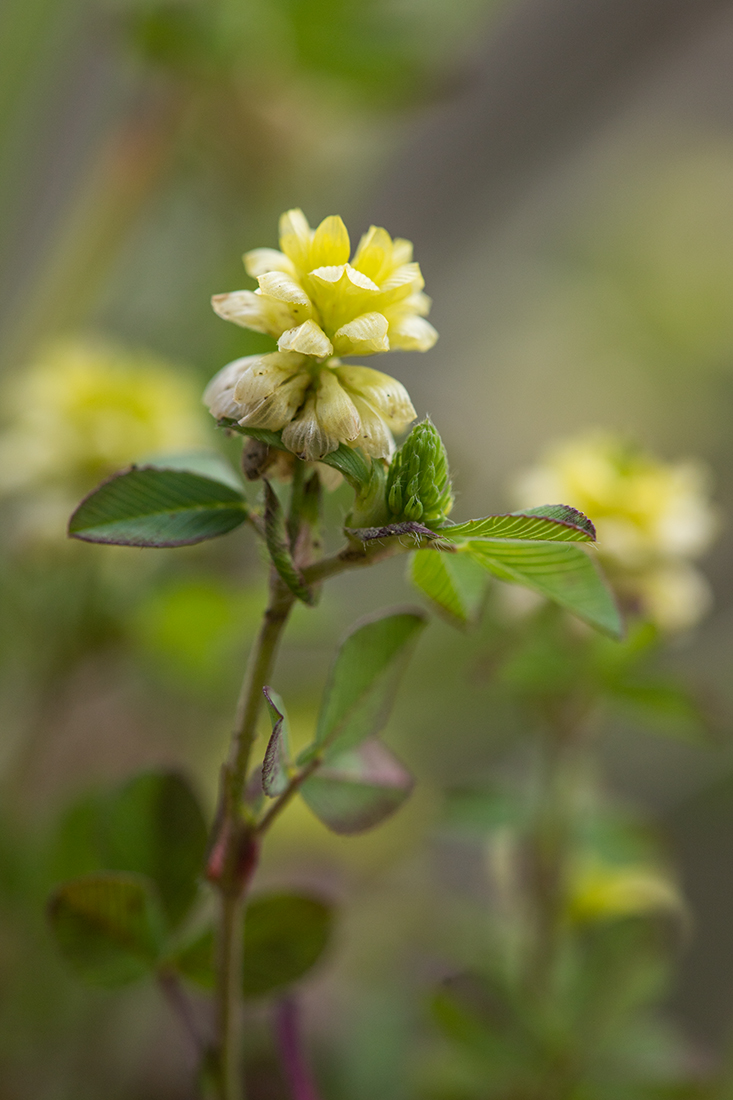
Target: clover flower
(319, 306)
(81, 410)
(653, 518)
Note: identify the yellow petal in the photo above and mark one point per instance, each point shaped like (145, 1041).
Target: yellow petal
(295, 238)
(412, 334)
(388, 396)
(261, 260)
(330, 244)
(365, 335)
(277, 284)
(251, 310)
(334, 407)
(403, 280)
(374, 254)
(375, 439)
(401, 251)
(308, 339)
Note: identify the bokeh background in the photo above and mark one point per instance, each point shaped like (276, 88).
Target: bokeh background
(565, 171)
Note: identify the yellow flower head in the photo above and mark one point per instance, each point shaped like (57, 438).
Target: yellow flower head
(652, 518)
(86, 407)
(319, 305)
(315, 302)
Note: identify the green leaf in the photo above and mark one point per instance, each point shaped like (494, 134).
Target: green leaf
(277, 543)
(154, 825)
(275, 765)
(453, 583)
(484, 810)
(561, 572)
(284, 936)
(207, 464)
(549, 523)
(108, 927)
(358, 789)
(155, 507)
(364, 678)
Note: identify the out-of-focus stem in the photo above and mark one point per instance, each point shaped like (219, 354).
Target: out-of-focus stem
(292, 1058)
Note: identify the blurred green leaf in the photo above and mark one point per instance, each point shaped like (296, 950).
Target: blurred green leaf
(284, 936)
(364, 679)
(155, 826)
(155, 507)
(108, 926)
(276, 761)
(358, 789)
(455, 585)
(484, 810)
(548, 523)
(562, 573)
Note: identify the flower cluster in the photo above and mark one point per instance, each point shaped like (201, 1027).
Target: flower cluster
(319, 306)
(84, 408)
(653, 518)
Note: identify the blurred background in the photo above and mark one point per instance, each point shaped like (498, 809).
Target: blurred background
(565, 172)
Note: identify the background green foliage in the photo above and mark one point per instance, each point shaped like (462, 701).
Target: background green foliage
(145, 146)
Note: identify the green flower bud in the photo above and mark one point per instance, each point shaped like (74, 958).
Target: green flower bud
(418, 483)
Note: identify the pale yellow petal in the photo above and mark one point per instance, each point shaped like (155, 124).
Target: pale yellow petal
(306, 437)
(263, 376)
(375, 438)
(334, 407)
(365, 335)
(295, 238)
(412, 334)
(308, 339)
(374, 254)
(261, 260)
(330, 244)
(388, 396)
(251, 310)
(278, 409)
(219, 394)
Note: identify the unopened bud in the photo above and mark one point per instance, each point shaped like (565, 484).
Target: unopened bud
(418, 484)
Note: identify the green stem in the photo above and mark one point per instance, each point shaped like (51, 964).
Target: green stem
(235, 841)
(237, 857)
(229, 996)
